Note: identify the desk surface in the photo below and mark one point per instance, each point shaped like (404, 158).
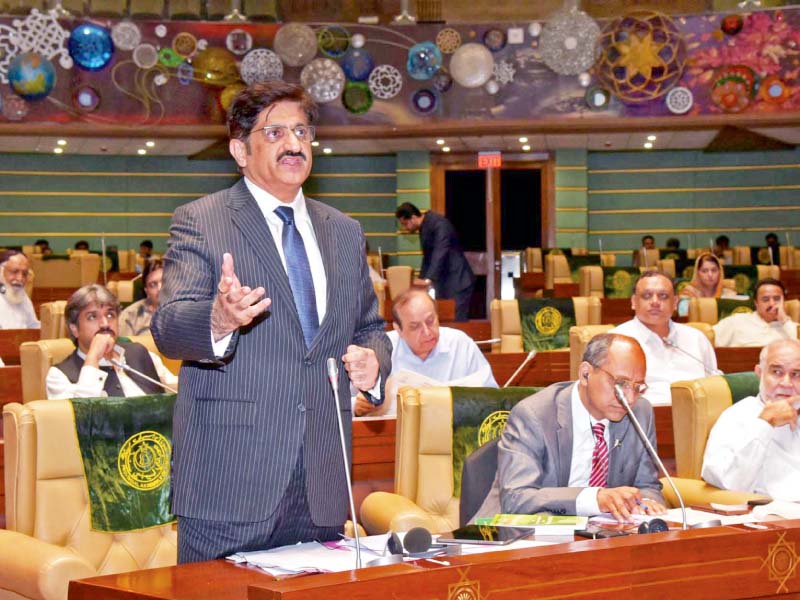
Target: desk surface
(724, 562)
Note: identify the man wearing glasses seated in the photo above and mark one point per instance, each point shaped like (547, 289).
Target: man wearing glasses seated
(674, 352)
(571, 448)
(135, 320)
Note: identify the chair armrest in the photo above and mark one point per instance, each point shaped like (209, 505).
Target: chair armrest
(35, 569)
(697, 491)
(384, 511)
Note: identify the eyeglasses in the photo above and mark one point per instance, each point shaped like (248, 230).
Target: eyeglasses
(638, 387)
(275, 133)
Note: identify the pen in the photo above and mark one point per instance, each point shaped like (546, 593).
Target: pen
(642, 505)
(441, 562)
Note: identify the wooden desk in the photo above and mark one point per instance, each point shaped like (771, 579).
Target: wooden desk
(562, 290)
(791, 279)
(737, 360)
(545, 368)
(373, 449)
(10, 340)
(616, 310)
(721, 563)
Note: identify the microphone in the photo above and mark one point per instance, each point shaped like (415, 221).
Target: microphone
(709, 370)
(128, 369)
(652, 451)
(333, 378)
(528, 359)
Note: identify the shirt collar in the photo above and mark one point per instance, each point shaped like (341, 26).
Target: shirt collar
(651, 335)
(579, 412)
(441, 347)
(268, 203)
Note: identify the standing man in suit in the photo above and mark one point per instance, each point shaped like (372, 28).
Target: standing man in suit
(443, 263)
(261, 285)
(571, 449)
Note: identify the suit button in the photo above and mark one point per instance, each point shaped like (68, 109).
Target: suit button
(301, 407)
(307, 362)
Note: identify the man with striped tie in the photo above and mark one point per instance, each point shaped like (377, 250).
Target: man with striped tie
(261, 287)
(571, 449)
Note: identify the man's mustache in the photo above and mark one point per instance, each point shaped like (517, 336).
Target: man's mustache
(107, 330)
(299, 154)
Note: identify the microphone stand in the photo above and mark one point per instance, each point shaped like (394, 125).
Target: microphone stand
(528, 359)
(128, 369)
(333, 377)
(709, 370)
(652, 451)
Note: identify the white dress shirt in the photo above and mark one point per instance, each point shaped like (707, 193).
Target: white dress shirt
(583, 442)
(666, 364)
(748, 454)
(17, 316)
(749, 329)
(92, 380)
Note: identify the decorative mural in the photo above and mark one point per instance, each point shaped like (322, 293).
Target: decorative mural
(187, 72)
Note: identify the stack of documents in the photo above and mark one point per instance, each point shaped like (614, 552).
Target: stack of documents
(542, 523)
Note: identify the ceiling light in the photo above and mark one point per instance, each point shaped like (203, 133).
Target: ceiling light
(648, 145)
(440, 142)
(651, 138)
(445, 148)
(62, 142)
(523, 140)
(526, 147)
(141, 152)
(327, 150)
(315, 143)
(58, 150)
(150, 143)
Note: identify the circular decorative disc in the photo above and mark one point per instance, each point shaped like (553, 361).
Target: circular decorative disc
(774, 90)
(732, 24)
(424, 59)
(358, 40)
(597, 98)
(169, 58)
(357, 64)
(85, 98)
(184, 44)
(161, 30)
(90, 46)
(494, 39)
(239, 41)
(216, 67)
(425, 101)
(679, 100)
(448, 40)
(145, 56)
(357, 97)
(472, 65)
(333, 40)
(185, 73)
(385, 82)
(14, 107)
(261, 64)
(126, 35)
(442, 81)
(568, 42)
(31, 76)
(731, 93)
(324, 79)
(296, 44)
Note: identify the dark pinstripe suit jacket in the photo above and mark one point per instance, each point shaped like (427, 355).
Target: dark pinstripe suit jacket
(240, 421)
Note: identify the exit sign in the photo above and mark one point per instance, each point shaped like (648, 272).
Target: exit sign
(490, 160)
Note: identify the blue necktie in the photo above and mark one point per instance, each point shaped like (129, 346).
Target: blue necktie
(299, 274)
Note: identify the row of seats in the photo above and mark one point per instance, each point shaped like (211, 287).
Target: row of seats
(149, 9)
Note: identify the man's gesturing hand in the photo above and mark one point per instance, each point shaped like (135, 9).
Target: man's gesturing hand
(362, 366)
(235, 304)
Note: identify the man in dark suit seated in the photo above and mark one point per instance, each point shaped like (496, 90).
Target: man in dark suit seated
(88, 372)
(443, 263)
(571, 449)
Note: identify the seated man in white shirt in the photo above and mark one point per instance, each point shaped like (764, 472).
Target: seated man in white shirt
(755, 445)
(92, 320)
(767, 324)
(425, 354)
(674, 352)
(16, 309)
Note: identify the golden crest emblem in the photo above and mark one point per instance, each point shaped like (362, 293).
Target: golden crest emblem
(547, 320)
(143, 460)
(492, 426)
(741, 309)
(621, 280)
(742, 283)
(464, 590)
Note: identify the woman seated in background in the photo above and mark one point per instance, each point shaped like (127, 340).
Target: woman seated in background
(707, 279)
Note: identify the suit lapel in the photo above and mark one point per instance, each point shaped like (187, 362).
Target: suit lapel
(564, 434)
(248, 218)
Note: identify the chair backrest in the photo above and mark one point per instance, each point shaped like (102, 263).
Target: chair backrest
(704, 310)
(398, 279)
(477, 477)
(36, 358)
(127, 260)
(533, 260)
(507, 327)
(556, 270)
(607, 260)
(51, 314)
(787, 256)
(667, 265)
(579, 337)
(696, 406)
(590, 281)
(46, 493)
(73, 272)
(740, 255)
(380, 293)
(647, 258)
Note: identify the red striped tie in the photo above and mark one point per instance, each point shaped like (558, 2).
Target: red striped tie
(599, 476)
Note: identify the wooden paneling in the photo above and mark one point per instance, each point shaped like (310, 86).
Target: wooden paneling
(373, 449)
(544, 369)
(10, 340)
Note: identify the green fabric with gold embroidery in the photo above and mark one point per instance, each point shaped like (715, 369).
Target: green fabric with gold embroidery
(545, 322)
(471, 406)
(728, 306)
(745, 277)
(126, 447)
(576, 262)
(618, 282)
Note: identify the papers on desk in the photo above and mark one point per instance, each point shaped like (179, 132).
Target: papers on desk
(777, 508)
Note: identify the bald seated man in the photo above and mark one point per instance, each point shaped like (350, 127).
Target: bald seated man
(421, 346)
(571, 449)
(755, 444)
